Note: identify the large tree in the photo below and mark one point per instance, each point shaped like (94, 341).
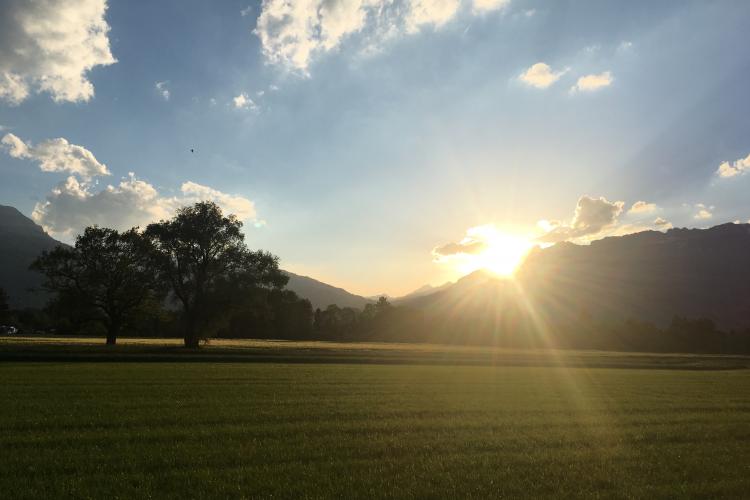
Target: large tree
(202, 254)
(105, 274)
(4, 307)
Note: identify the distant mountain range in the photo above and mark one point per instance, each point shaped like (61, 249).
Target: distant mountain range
(21, 241)
(321, 295)
(648, 276)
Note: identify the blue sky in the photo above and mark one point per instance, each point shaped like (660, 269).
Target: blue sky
(359, 138)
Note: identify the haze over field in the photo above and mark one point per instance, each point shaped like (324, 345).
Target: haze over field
(379, 146)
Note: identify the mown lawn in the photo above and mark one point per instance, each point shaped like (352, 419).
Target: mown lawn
(138, 430)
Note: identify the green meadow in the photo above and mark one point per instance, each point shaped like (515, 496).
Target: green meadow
(351, 430)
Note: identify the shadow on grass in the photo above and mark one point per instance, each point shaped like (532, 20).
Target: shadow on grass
(23, 350)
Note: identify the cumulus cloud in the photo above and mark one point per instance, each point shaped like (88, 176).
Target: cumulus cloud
(50, 46)
(642, 207)
(243, 101)
(731, 169)
(56, 155)
(292, 33)
(72, 205)
(591, 216)
(435, 12)
(590, 83)
(540, 75)
(703, 212)
(240, 206)
(662, 223)
(488, 5)
(161, 88)
(78, 201)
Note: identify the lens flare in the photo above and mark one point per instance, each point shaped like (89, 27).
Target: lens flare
(503, 252)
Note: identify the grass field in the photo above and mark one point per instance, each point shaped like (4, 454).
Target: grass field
(207, 429)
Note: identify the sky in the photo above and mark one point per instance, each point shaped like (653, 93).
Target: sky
(379, 145)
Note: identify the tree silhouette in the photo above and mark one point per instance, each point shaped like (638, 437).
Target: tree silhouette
(104, 272)
(202, 255)
(4, 307)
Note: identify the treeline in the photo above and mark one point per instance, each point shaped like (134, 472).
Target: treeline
(190, 276)
(193, 277)
(388, 323)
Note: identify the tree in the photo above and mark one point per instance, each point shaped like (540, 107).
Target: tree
(104, 275)
(202, 255)
(4, 307)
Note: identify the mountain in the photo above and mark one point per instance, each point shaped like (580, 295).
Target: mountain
(21, 241)
(422, 291)
(648, 276)
(321, 295)
(376, 297)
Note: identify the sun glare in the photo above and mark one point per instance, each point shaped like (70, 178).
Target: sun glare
(503, 252)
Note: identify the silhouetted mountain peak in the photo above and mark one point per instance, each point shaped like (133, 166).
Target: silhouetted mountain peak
(21, 241)
(13, 222)
(321, 295)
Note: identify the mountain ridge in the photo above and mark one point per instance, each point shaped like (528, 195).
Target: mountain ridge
(647, 276)
(22, 240)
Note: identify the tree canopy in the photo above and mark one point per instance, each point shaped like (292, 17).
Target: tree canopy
(201, 254)
(4, 306)
(105, 273)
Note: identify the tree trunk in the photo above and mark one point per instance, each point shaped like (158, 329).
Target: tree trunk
(191, 335)
(112, 331)
(191, 341)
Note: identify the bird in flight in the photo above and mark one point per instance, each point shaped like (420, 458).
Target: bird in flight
(192, 150)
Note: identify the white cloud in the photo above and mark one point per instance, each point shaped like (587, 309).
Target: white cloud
(540, 75)
(731, 169)
(293, 33)
(56, 155)
(240, 206)
(243, 101)
(424, 12)
(246, 11)
(78, 202)
(704, 212)
(662, 223)
(641, 207)
(161, 88)
(488, 5)
(73, 205)
(590, 83)
(50, 46)
(591, 216)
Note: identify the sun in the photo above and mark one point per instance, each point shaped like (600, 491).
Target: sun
(502, 253)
